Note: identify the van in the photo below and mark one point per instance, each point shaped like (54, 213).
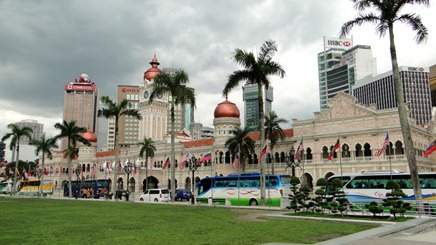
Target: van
(183, 194)
(155, 195)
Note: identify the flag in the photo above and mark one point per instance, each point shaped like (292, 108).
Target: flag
(108, 168)
(45, 171)
(10, 171)
(299, 150)
(52, 171)
(151, 166)
(385, 144)
(431, 148)
(119, 167)
(263, 152)
(29, 172)
(334, 150)
(184, 160)
(25, 174)
(236, 162)
(206, 157)
(166, 163)
(134, 169)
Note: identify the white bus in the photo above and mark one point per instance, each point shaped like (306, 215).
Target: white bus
(367, 186)
(243, 189)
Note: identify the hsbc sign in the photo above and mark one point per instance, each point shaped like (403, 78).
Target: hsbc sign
(342, 43)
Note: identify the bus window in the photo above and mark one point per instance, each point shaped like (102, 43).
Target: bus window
(255, 183)
(244, 183)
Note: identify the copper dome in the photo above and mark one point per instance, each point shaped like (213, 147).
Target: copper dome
(226, 109)
(154, 70)
(90, 136)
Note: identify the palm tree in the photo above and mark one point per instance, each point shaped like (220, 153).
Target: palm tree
(240, 144)
(273, 132)
(180, 94)
(256, 71)
(73, 133)
(147, 149)
(44, 146)
(15, 135)
(113, 110)
(385, 14)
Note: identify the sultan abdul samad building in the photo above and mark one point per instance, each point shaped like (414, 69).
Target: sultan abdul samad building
(361, 131)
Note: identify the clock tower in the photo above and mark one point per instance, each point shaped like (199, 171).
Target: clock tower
(155, 115)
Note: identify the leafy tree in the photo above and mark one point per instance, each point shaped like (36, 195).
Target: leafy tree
(320, 198)
(113, 110)
(256, 70)
(16, 133)
(240, 143)
(273, 132)
(374, 207)
(73, 134)
(147, 149)
(339, 202)
(180, 94)
(392, 200)
(384, 13)
(295, 196)
(43, 146)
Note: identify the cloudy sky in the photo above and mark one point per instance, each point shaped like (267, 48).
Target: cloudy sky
(46, 44)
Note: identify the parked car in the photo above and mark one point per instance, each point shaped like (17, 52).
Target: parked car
(183, 194)
(155, 195)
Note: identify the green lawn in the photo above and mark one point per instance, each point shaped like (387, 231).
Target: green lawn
(55, 221)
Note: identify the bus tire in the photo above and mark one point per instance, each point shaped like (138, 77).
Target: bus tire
(156, 200)
(253, 202)
(141, 199)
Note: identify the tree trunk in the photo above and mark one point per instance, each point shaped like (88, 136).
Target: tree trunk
(114, 181)
(70, 193)
(172, 162)
(262, 140)
(404, 122)
(42, 177)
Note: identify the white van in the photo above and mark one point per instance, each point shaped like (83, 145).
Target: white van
(155, 195)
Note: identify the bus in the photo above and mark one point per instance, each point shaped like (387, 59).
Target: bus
(367, 186)
(6, 187)
(31, 187)
(91, 188)
(242, 189)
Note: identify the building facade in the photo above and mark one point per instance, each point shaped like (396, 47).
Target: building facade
(433, 84)
(360, 129)
(128, 127)
(81, 104)
(380, 90)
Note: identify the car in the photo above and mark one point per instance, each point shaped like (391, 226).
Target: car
(155, 195)
(183, 194)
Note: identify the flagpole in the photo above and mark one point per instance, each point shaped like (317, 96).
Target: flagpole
(239, 175)
(302, 162)
(390, 161)
(340, 155)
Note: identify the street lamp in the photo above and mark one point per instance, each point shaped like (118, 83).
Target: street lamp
(291, 163)
(193, 167)
(128, 167)
(77, 171)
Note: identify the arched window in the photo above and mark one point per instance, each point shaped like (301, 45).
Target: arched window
(282, 157)
(345, 151)
(367, 150)
(359, 152)
(227, 158)
(399, 150)
(325, 152)
(309, 155)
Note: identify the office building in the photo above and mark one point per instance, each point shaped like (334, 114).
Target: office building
(2, 151)
(198, 131)
(433, 84)
(379, 90)
(128, 127)
(38, 129)
(251, 104)
(81, 104)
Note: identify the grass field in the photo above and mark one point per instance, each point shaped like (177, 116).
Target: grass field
(61, 221)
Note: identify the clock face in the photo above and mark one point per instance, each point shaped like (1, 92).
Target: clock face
(146, 94)
(160, 96)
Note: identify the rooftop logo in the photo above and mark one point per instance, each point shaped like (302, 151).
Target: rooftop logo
(332, 42)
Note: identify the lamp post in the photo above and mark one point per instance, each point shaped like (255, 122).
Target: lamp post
(128, 167)
(193, 167)
(291, 163)
(77, 171)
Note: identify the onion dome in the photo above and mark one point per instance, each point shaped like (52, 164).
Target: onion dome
(153, 71)
(226, 109)
(90, 136)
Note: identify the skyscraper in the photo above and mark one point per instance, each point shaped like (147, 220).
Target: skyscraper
(251, 104)
(128, 127)
(81, 104)
(331, 56)
(38, 129)
(379, 90)
(433, 84)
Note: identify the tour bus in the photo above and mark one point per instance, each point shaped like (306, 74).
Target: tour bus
(242, 189)
(367, 186)
(91, 188)
(6, 187)
(31, 187)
